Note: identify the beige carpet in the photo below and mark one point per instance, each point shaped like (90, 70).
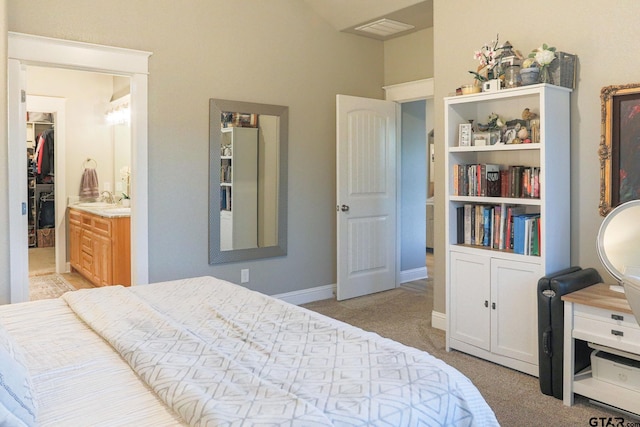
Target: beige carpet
(404, 314)
(48, 286)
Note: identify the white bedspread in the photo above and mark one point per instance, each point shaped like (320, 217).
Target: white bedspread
(219, 354)
(78, 379)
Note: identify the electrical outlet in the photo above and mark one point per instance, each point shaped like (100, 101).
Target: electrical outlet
(244, 275)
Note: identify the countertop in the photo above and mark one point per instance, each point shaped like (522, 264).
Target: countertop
(106, 210)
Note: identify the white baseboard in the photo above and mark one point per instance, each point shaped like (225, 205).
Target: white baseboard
(439, 320)
(308, 295)
(414, 274)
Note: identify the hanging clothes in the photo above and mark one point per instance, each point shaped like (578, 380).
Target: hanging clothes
(45, 156)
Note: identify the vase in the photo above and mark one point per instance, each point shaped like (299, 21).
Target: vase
(529, 76)
(544, 75)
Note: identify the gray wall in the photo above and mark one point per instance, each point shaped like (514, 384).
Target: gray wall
(414, 185)
(276, 52)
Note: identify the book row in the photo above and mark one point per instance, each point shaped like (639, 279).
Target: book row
(495, 181)
(225, 198)
(225, 173)
(504, 227)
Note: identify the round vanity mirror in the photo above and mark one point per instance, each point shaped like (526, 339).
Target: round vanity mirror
(619, 240)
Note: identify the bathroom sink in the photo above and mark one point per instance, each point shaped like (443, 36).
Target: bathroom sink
(118, 210)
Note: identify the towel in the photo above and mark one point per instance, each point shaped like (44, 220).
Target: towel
(89, 184)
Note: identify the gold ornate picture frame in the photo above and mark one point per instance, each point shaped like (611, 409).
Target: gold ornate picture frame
(619, 149)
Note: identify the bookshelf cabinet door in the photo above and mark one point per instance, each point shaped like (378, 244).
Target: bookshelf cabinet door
(471, 287)
(514, 317)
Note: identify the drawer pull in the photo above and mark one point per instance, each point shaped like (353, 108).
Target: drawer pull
(617, 333)
(617, 317)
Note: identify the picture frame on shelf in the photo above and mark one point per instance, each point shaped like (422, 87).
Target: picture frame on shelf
(619, 150)
(464, 135)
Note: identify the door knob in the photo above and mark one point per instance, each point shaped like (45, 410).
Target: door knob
(344, 208)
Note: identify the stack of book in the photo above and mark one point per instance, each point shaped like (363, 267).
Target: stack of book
(225, 198)
(503, 227)
(493, 181)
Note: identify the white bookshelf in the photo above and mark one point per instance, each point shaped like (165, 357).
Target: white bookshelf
(491, 293)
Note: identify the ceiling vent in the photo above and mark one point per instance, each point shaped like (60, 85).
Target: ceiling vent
(384, 27)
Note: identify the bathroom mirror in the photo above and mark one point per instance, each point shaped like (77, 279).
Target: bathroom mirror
(247, 180)
(619, 240)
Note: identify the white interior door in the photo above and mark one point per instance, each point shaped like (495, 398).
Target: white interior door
(17, 168)
(366, 196)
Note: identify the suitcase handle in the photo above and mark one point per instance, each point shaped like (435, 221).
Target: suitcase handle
(546, 342)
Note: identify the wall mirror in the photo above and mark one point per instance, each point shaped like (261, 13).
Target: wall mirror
(247, 180)
(619, 240)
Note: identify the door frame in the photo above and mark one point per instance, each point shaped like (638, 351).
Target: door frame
(407, 92)
(27, 49)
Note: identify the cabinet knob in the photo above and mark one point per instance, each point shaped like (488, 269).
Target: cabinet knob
(617, 333)
(486, 303)
(617, 317)
(493, 305)
(344, 208)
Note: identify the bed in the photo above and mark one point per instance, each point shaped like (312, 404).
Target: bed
(206, 352)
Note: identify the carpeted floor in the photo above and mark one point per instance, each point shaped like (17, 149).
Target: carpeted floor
(404, 314)
(48, 286)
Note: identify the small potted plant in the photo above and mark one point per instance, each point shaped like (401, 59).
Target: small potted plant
(487, 57)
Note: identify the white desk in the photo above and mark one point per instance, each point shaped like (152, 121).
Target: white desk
(598, 315)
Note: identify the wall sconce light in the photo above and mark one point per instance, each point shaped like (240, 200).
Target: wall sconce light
(119, 115)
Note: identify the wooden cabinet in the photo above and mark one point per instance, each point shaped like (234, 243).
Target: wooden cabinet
(100, 248)
(491, 287)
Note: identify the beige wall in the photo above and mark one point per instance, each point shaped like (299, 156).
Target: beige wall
(603, 35)
(87, 97)
(409, 57)
(276, 52)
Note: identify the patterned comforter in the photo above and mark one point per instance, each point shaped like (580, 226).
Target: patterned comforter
(219, 354)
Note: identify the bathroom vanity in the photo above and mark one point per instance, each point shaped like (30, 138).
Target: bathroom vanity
(100, 244)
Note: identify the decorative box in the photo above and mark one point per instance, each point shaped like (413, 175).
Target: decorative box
(563, 70)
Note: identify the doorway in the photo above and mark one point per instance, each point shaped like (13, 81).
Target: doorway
(26, 50)
(74, 111)
(415, 198)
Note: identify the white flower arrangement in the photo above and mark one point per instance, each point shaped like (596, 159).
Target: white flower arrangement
(544, 55)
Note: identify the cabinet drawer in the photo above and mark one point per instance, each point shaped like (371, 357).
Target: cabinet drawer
(86, 244)
(75, 217)
(86, 262)
(101, 226)
(607, 333)
(86, 221)
(607, 316)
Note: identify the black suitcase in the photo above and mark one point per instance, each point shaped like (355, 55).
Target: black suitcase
(551, 288)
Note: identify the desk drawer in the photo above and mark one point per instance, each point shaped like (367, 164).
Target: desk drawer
(607, 333)
(608, 316)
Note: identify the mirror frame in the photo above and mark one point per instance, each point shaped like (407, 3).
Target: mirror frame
(610, 148)
(602, 253)
(216, 107)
